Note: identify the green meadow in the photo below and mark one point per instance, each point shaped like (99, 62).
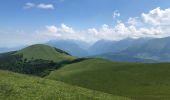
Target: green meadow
(41, 72)
(134, 80)
(15, 86)
(45, 52)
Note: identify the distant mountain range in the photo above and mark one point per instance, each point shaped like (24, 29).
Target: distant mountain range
(156, 49)
(153, 50)
(126, 50)
(70, 46)
(105, 46)
(81, 49)
(2, 50)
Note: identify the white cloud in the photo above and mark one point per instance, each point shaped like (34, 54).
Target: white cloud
(157, 16)
(62, 29)
(121, 28)
(52, 29)
(29, 5)
(39, 6)
(134, 21)
(45, 6)
(90, 35)
(93, 31)
(155, 23)
(116, 14)
(66, 29)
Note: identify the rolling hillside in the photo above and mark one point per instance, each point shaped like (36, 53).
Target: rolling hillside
(139, 81)
(133, 80)
(36, 60)
(44, 52)
(21, 87)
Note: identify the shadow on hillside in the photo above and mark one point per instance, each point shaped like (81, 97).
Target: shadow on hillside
(38, 67)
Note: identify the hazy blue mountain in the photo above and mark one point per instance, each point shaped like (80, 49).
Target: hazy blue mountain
(137, 50)
(100, 47)
(69, 46)
(2, 50)
(105, 46)
(123, 50)
(124, 58)
(156, 49)
(114, 50)
(82, 44)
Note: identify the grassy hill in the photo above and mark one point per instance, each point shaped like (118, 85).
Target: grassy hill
(36, 60)
(139, 81)
(132, 80)
(21, 87)
(40, 51)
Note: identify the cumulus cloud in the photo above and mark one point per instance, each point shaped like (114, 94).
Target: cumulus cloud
(157, 16)
(39, 6)
(134, 21)
(45, 6)
(66, 29)
(29, 5)
(62, 29)
(93, 31)
(115, 14)
(90, 35)
(155, 23)
(52, 29)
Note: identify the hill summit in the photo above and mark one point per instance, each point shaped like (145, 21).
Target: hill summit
(37, 59)
(44, 52)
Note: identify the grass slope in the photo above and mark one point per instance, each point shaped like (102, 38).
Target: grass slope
(138, 81)
(40, 51)
(124, 58)
(36, 60)
(21, 87)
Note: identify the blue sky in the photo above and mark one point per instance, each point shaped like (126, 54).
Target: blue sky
(79, 15)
